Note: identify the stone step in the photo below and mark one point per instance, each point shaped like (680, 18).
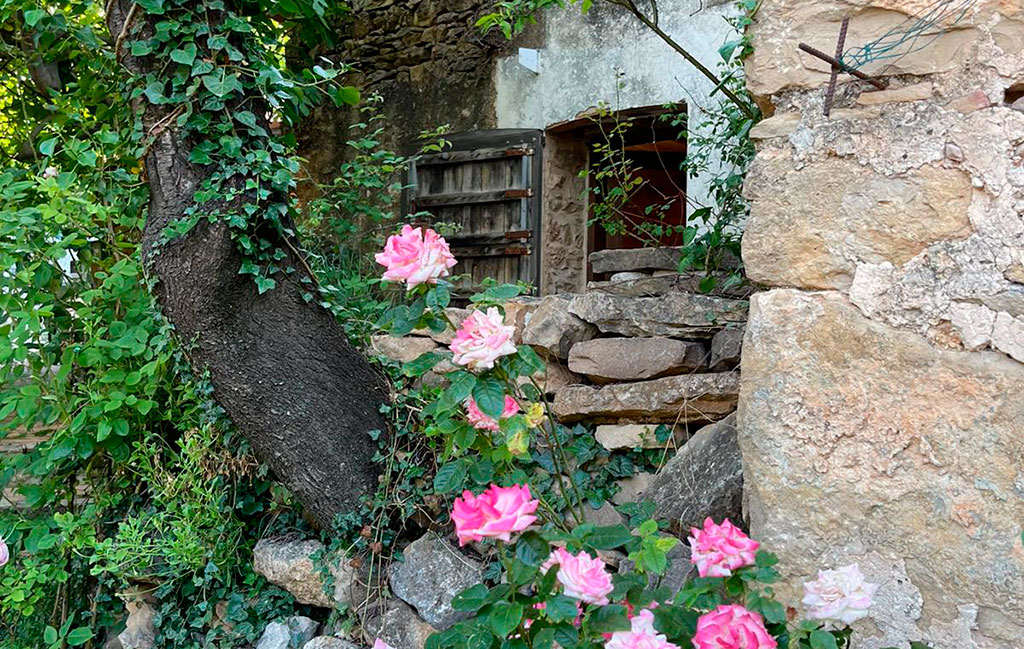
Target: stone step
(676, 315)
(606, 360)
(675, 399)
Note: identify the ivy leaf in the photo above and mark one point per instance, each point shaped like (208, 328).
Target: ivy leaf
(185, 55)
(505, 617)
(221, 84)
(421, 364)
(676, 622)
(489, 394)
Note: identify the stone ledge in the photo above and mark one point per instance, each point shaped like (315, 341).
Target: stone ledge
(676, 399)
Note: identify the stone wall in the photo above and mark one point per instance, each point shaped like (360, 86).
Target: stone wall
(429, 62)
(882, 393)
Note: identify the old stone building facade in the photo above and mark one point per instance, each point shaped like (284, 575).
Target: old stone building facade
(434, 67)
(882, 400)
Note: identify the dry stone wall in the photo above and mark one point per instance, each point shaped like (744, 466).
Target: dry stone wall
(882, 393)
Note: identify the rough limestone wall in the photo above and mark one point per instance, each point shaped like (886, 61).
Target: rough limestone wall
(881, 410)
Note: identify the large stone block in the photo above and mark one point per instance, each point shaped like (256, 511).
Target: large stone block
(704, 478)
(675, 399)
(848, 213)
(431, 574)
(864, 443)
(676, 315)
(633, 359)
(635, 259)
(777, 63)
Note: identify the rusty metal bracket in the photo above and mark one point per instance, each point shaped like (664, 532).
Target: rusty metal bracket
(838, 66)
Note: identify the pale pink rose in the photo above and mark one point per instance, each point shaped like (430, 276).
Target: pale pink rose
(50, 172)
(582, 577)
(842, 595)
(5, 553)
(496, 513)
(482, 339)
(380, 644)
(415, 257)
(718, 550)
(732, 627)
(482, 421)
(642, 635)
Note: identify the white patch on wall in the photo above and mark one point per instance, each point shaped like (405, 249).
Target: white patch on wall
(530, 59)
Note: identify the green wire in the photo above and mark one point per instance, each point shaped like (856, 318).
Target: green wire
(893, 45)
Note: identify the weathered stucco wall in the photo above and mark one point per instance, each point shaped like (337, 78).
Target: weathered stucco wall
(881, 410)
(582, 56)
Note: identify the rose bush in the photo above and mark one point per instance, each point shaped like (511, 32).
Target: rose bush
(555, 585)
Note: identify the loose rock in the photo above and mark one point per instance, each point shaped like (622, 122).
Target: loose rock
(398, 625)
(632, 489)
(704, 478)
(294, 634)
(289, 564)
(402, 350)
(629, 359)
(635, 259)
(327, 642)
(432, 573)
(140, 629)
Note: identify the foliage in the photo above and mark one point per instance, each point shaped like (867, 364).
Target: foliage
(129, 475)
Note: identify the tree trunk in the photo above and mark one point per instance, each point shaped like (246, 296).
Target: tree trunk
(281, 367)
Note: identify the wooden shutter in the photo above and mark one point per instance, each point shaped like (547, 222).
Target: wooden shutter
(488, 183)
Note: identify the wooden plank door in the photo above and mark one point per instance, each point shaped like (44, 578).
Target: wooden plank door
(488, 186)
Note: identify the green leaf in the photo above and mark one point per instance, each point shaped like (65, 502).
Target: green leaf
(47, 147)
(531, 549)
(220, 83)
(50, 635)
(33, 16)
(505, 617)
(609, 537)
(185, 55)
(489, 394)
(462, 384)
(561, 608)
(823, 640)
(450, 477)
(675, 621)
(345, 96)
(79, 636)
(422, 364)
(471, 600)
(608, 619)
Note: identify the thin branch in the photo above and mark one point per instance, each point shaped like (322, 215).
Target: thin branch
(630, 6)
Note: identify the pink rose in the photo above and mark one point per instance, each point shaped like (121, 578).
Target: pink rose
(496, 513)
(482, 421)
(380, 644)
(642, 635)
(732, 627)
(842, 595)
(5, 553)
(582, 576)
(415, 257)
(482, 339)
(717, 550)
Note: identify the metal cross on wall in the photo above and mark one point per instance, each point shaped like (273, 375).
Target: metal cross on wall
(838, 66)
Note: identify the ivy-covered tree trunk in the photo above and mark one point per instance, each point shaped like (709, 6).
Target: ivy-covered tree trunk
(280, 364)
